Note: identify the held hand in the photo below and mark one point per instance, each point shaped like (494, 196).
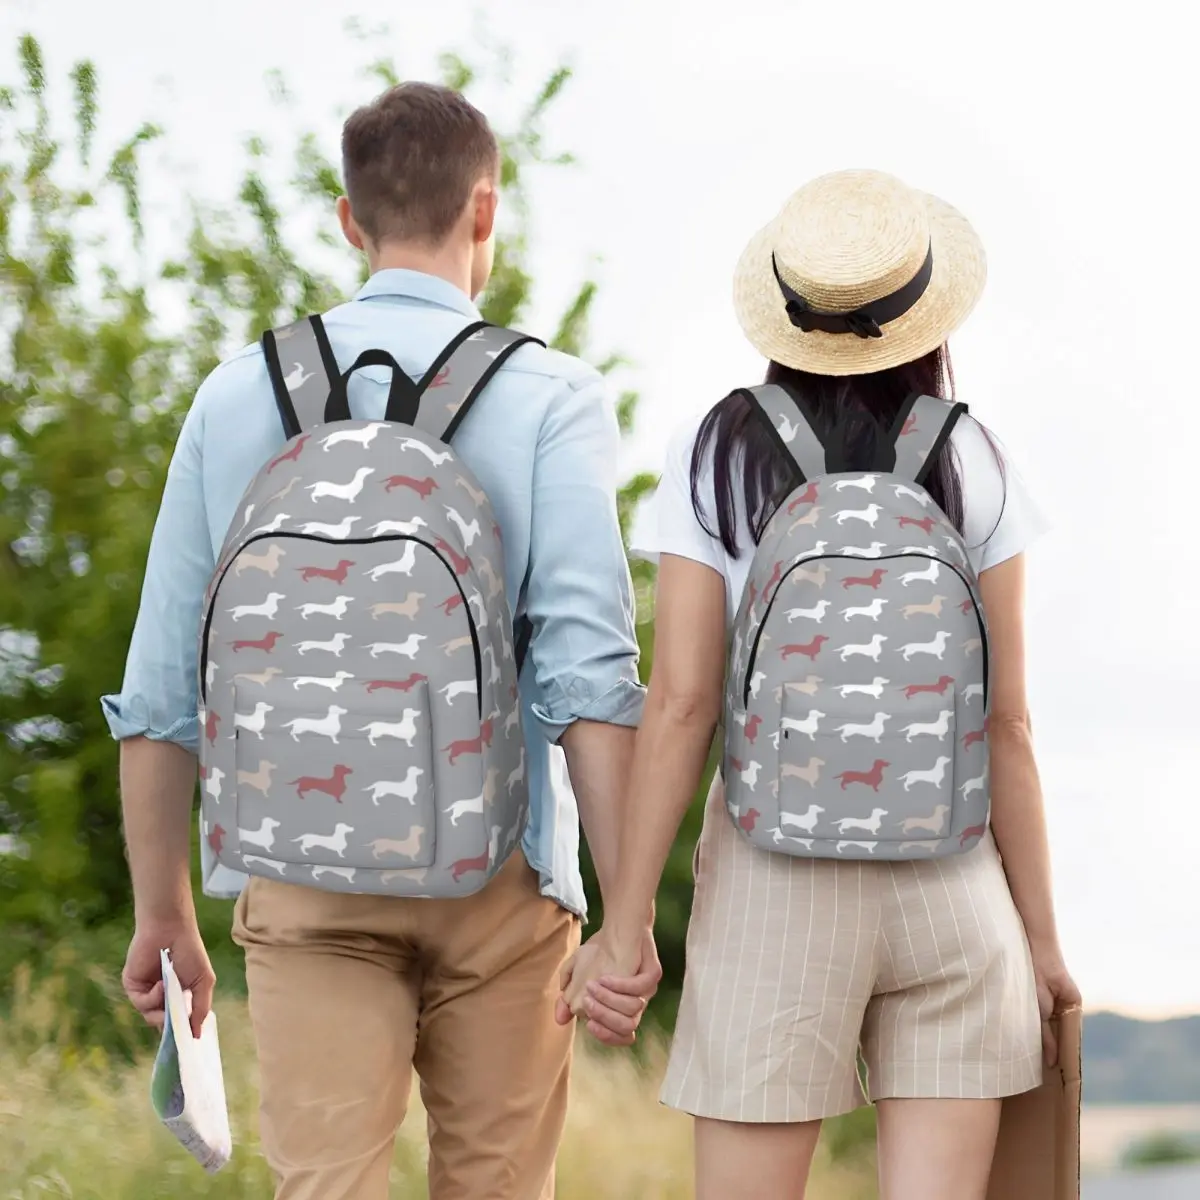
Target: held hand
(1056, 991)
(610, 988)
(142, 977)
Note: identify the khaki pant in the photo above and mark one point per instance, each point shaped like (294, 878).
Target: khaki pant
(349, 993)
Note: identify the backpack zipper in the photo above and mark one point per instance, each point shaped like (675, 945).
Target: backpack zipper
(862, 558)
(362, 541)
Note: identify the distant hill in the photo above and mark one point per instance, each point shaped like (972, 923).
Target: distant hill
(1126, 1061)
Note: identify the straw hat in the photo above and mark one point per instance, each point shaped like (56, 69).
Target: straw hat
(857, 273)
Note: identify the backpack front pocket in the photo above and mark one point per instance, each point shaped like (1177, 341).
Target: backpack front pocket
(329, 779)
(873, 765)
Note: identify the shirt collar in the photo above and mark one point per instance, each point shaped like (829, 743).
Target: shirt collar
(416, 285)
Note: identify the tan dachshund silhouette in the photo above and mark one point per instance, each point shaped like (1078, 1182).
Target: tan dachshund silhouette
(406, 847)
(259, 779)
(933, 608)
(267, 561)
(410, 606)
(810, 773)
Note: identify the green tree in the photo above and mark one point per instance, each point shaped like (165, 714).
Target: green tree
(93, 387)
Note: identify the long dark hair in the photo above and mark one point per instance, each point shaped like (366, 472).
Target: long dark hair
(861, 408)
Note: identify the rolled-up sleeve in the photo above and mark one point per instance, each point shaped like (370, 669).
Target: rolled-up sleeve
(159, 694)
(579, 595)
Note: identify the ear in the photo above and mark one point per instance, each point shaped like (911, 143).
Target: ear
(350, 229)
(486, 199)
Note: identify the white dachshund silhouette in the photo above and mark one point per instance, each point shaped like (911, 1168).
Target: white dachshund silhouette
(334, 842)
(405, 789)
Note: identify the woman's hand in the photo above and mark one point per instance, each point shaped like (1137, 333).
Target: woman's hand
(609, 985)
(1056, 991)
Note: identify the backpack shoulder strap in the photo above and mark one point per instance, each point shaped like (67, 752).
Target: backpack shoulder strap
(460, 373)
(790, 426)
(302, 370)
(922, 428)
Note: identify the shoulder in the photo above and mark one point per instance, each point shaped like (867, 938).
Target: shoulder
(534, 361)
(229, 384)
(1001, 517)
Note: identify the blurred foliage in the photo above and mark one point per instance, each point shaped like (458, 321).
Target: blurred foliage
(1162, 1149)
(94, 382)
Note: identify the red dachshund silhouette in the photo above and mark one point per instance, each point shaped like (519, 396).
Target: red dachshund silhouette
(466, 865)
(752, 724)
(773, 582)
(266, 644)
(736, 764)
(450, 604)
(211, 721)
(461, 565)
(872, 778)
(290, 455)
(809, 496)
(473, 745)
(396, 685)
(441, 378)
(976, 831)
(872, 581)
(966, 606)
(747, 819)
(974, 735)
(337, 574)
(810, 650)
(334, 786)
(216, 835)
(925, 524)
(421, 486)
(753, 593)
(910, 425)
(939, 688)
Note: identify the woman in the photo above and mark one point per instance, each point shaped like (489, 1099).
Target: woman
(942, 972)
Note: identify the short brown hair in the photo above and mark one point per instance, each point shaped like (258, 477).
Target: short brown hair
(410, 159)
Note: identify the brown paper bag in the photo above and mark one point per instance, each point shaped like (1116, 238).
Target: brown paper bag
(1037, 1152)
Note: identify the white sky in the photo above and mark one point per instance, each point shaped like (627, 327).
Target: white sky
(1065, 135)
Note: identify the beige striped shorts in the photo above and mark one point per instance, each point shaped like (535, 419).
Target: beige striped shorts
(922, 968)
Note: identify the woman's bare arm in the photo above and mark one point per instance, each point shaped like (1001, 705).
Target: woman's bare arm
(683, 705)
(1018, 816)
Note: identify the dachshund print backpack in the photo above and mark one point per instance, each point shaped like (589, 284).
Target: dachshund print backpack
(857, 691)
(360, 715)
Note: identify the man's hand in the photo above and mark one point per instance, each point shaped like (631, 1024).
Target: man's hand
(610, 987)
(142, 977)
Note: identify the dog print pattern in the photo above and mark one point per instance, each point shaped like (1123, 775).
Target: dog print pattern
(360, 718)
(856, 690)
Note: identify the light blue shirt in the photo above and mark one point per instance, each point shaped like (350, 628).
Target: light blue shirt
(542, 440)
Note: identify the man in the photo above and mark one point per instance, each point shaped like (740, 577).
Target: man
(349, 992)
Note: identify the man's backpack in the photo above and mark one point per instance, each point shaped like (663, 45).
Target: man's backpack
(857, 691)
(360, 715)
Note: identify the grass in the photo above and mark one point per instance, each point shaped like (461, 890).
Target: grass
(77, 1123)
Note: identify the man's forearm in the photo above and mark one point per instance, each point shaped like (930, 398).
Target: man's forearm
(598, 759)
(158, 781)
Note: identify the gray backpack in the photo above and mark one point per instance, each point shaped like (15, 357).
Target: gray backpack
(857, 691)
(360, 716)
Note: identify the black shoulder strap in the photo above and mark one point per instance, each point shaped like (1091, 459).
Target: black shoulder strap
(303, 370)
(922, 427)
(460, 373)
(790, 426)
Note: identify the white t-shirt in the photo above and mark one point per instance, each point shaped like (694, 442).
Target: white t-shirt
(999, 516)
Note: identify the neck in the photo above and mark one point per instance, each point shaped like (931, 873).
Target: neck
(449, 262)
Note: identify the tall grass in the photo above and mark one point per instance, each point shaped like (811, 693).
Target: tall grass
(77, 1123)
